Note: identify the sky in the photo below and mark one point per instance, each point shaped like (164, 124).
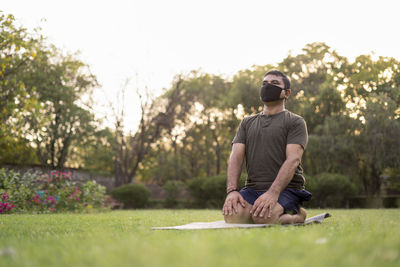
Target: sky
(151, 41)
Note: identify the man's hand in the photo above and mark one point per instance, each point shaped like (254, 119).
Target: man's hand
(265, 204)
(232, 201)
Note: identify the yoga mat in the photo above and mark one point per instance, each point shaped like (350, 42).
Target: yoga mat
(222, 224)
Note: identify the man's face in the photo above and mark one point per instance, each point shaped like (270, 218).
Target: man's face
(277, 81)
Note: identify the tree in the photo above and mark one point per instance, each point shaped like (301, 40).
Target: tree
(41, 106)
(95, 152)
(379, 142)
(316, 75)
(157, 116)
(60, 117)
(17, 49)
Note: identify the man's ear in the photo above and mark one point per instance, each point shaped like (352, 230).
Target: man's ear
(287, 93)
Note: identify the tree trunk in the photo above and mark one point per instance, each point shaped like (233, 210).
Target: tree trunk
(217, 150)
(176, 167)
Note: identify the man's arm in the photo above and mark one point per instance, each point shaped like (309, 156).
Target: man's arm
(266, 202)
(294, 153)
(234, 169)
(235, 166)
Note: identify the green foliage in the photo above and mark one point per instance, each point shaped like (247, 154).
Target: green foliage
(95, 153)
(210, 192)
(20, 188)
(378, 141)
(41, 98)
(16, 150)
(33, 192)
(93, 194)
(18, 49)
(59, 119)
(173, 189)
(331, 147)
(330, 190)
(392, 179)
(132, 195)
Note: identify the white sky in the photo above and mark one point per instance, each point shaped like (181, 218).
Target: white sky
(154, 40)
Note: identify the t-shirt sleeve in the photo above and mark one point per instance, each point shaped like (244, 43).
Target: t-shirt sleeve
(298, 133)
(240, 136)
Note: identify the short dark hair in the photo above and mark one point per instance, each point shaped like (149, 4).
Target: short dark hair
(285, 79)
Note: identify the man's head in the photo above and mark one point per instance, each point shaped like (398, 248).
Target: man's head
(275, 87)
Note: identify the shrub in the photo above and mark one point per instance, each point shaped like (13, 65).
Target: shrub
(195, 188)
(330, 190)
(210, 192)
(173, 189)
(93, 194)
(32, 192)
(5, 206)
(215, 191)
(18, 188)
(132, 195)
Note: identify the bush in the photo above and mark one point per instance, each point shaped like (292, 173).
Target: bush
(330, 190)
(132, 195)
(33, 192)
(173, 189)
(17, 189)
(210, 192)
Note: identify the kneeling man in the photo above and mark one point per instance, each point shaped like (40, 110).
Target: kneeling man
(272, 143)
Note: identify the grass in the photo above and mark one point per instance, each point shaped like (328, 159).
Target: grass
(123, 238)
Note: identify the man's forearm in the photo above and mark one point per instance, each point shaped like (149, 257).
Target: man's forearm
(285, 175)
(233, 173)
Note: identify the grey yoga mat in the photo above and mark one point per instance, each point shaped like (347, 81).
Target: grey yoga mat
(222, 224)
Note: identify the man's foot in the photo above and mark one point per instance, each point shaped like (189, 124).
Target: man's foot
(301, 215)
(296, 218)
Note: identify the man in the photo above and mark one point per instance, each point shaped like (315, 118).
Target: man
(272, 143)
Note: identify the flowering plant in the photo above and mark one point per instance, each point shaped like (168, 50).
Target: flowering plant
(49, 193)
(5, 206)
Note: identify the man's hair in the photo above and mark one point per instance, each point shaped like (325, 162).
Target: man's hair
(285, 79)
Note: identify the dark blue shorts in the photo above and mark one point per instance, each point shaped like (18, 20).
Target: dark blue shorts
(290, 199)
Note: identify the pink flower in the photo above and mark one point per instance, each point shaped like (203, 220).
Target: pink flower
(51, 199)
(6, 207)
(77, 199)
(51, 209)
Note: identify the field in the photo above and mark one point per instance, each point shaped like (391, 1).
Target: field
(124, 238)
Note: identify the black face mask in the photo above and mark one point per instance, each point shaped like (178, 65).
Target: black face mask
(270, 92)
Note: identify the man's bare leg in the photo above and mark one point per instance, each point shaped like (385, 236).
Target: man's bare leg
(296, 218)
(242, 216)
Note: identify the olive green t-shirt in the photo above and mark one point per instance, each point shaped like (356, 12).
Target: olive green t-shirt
(266, 137)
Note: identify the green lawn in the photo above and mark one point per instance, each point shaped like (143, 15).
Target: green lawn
(123, 238)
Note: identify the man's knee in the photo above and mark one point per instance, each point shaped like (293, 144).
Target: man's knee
(242, 216)
(274, 219)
